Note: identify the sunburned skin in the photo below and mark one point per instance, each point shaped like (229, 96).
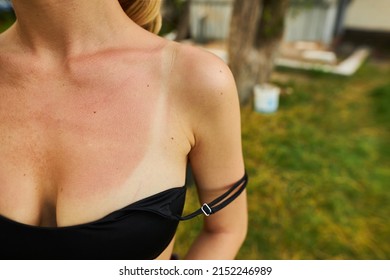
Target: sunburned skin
(73, 139)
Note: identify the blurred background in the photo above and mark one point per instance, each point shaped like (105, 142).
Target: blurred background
(313, 78)
(316, 145)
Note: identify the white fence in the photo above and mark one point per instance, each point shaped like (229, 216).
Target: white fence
(314, 22)
(210, 20)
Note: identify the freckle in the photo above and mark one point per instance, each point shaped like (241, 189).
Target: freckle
(220, 71)
(221, 93)
(62, 189)
(147, 85)
(94, 112)
(24, 174)
(172, 138)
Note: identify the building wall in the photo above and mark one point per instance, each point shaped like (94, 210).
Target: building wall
(210, 19)
(311, 22)
(369, 15)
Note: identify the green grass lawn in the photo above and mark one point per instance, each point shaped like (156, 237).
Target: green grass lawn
(319, 170)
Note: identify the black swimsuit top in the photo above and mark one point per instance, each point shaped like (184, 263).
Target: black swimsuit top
(141, 230)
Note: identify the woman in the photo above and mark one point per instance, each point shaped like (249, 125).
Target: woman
(98, 114)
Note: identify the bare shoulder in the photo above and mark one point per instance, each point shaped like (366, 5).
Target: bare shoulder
(7, 40)
(11, 53)
(203, 79)
(205, 86)
(4, 44)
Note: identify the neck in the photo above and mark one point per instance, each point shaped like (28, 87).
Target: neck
(68, 27)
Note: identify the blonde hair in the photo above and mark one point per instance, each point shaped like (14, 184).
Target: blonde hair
(146, 13)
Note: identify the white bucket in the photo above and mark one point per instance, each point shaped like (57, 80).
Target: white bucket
(266, 98)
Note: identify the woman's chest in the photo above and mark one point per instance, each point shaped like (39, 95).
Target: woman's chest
(70, 144)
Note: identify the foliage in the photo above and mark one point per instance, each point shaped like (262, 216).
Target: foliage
(6, 19)
(271, 26)
(319, 170)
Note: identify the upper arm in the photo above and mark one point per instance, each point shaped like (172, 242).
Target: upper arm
(214, 116)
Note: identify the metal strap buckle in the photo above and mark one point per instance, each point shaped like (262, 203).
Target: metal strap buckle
(206, 210)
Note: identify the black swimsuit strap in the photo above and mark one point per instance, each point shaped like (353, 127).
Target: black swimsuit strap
(221, 201)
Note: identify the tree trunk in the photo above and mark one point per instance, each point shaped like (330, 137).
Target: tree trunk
(255, 34)
(183, 26)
